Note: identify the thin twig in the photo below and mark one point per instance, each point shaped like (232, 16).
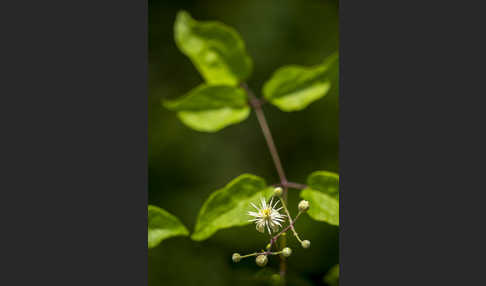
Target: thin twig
(290, 221)
(291, 224)
(296, 185)
(257, 106)
(261, 253)
(291, 185)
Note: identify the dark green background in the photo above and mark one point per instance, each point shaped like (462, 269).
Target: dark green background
(185, 166)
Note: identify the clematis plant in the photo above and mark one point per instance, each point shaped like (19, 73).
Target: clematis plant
(224, 99)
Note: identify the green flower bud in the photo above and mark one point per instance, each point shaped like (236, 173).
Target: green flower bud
(261, 260)
(286, 251)
(278, 191)
(303, 206)
(268, 246)
(306, 244)
(236, 257)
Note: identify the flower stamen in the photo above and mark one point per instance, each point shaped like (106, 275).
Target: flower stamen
(267, 216)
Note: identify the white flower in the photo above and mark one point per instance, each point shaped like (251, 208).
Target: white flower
(267, 216)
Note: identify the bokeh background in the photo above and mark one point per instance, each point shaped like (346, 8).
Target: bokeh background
(185, 166)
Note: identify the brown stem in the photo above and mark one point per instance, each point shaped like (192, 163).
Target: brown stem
(257, 106)
(292, 185)
(296, 185)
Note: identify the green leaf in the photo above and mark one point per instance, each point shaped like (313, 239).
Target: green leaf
(323, 196)
(210, 108)
(217, 51)
(228, 207)
(326, 182)
(293, 88)
(322, 206)
(162, 225)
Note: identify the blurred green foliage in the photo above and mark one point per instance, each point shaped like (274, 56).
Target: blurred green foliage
(186, 166)
(332, 277)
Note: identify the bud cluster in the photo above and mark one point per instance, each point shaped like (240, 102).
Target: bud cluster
(262, 257)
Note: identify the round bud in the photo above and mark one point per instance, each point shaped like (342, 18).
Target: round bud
(236, 257)
(286, 252)
(261, 260)
(306, 244)
(303, 206)
(268, 246)
(278, 191)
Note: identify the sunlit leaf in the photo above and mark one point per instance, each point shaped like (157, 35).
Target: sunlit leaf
(293, 88)
(210, 108)
(228, 207)
(323, 196)
(162, 225)
(322, 206)
(324, 181)
(217, 50)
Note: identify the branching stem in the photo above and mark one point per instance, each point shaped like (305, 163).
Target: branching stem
(274, 238)
(257, 106)
(262, 253)
(291, 223)
(290, 226)
(256, 103)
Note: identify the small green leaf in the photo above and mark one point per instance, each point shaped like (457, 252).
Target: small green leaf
(217, 50)
(323, 195)
(228, 207)
(293, 88)
(162, 225)
(210, 108)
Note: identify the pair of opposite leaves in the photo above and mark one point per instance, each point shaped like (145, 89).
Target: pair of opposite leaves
(218, 53)
(227, 207)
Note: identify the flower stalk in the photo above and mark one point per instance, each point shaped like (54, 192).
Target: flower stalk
(285, 250)
(266, 218)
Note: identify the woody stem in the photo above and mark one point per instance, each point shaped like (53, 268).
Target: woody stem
(256, 104)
